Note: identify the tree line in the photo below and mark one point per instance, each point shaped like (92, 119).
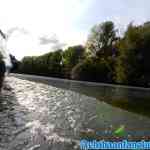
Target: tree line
(106, 57)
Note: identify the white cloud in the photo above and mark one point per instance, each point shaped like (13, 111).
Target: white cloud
(53, 40)
(46, 39)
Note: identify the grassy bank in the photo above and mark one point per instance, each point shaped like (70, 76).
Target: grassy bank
(138, 105)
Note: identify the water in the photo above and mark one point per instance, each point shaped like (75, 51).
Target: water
(4, 51)
(37, 116)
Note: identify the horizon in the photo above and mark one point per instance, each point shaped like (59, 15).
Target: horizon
(44, 26)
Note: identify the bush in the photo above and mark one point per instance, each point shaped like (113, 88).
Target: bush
(97, 70)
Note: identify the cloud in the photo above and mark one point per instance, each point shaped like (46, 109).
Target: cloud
(53, 40)
(14, 29)
(58, 46)
(48, 39)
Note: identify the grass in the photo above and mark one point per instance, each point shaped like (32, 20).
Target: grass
(139, 106)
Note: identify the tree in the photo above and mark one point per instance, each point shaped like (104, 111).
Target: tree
(71, 57)
(54, 63)
(132, 65)
(101, 38)
(48, 64)
(92, 69)
(145, 52)
(26, 65)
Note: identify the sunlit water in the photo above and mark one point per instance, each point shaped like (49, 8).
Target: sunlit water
(36, 116)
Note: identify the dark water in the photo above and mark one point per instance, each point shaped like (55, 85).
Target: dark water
(37, 116)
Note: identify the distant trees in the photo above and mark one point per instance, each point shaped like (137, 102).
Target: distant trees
(71, 57)
(105, 57)
(48, 64)
(55, 64)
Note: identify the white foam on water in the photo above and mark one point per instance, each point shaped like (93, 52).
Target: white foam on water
(3, 46)
(5, 54)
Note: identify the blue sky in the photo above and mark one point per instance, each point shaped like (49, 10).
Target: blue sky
(122, 12)
(44, 25)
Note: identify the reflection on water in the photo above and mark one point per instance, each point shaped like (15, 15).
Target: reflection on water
(9, 122)
(97, 90)
(36, 116)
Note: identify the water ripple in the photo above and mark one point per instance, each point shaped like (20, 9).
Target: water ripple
(36, 116)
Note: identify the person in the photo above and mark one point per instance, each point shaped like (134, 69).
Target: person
(2, 71)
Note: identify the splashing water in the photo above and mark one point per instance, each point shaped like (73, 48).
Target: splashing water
(5, 52)
(3, 46)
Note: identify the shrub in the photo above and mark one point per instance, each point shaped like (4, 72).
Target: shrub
(91, 69)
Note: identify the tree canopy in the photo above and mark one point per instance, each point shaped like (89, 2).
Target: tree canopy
(105, 57)
(101, 38)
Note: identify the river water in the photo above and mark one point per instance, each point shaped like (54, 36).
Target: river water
(38, 116)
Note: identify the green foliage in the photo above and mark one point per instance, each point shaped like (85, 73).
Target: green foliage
(48, 64)
(100, 40)
(71, 57)
(26, 65)
(92, 70)
(132, 65)
(54, 62)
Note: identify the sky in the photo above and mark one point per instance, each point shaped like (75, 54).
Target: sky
(35, 27)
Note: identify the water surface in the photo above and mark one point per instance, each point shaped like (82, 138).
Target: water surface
(37, 116)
